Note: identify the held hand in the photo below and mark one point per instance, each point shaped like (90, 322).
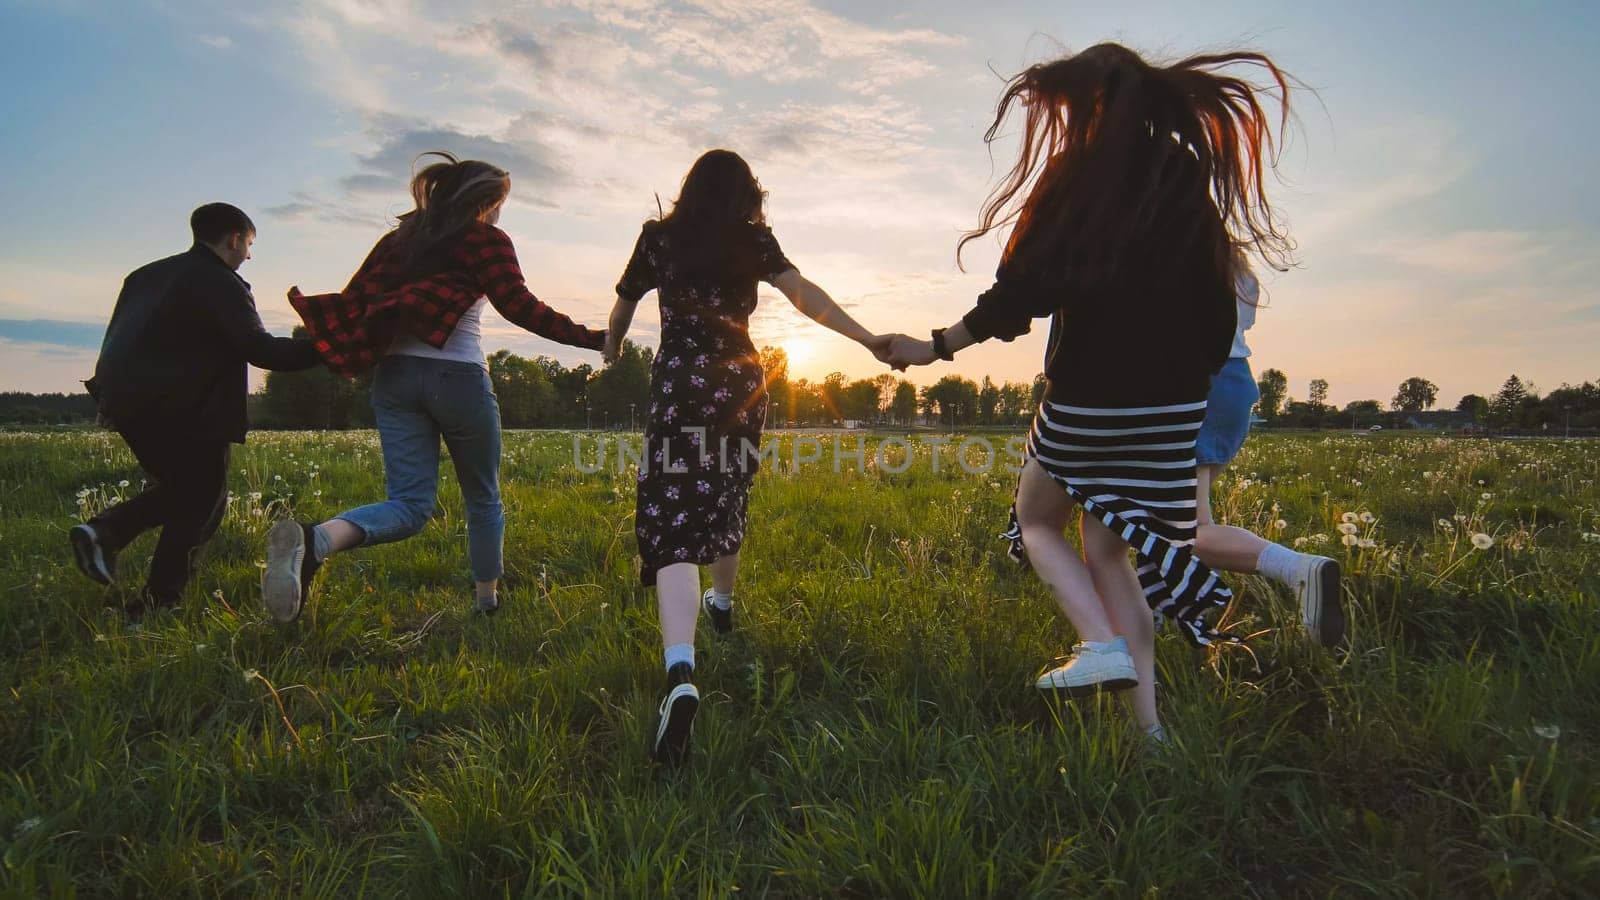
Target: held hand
(610, 353)
(908, 351)
(879, 345)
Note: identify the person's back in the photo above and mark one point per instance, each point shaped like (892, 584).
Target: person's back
(707, 277)
(166, 354)
(172, 378)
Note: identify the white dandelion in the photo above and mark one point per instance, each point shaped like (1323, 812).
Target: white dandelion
(1349, 540)
(1347, 528)
(1482, 541)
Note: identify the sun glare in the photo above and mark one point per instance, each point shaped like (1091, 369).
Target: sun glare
(802, 352)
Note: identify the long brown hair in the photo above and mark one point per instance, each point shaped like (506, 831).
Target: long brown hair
(719, 191)
(1115, 150)
(449, 197)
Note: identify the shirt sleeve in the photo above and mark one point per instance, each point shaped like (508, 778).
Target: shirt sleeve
(240, 325)
(493, 263)
(1007, 309)
(640, 277)
(770, 261)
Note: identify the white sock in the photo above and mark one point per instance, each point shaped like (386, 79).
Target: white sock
(1281, 564)
(721, 600)
(321, 544)
(679, 653)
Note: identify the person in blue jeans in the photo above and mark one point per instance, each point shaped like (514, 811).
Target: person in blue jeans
(415, 306)
(1314, 579)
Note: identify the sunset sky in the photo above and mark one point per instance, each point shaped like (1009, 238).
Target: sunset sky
(1441, 180)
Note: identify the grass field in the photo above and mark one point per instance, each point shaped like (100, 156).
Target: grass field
(870, 730)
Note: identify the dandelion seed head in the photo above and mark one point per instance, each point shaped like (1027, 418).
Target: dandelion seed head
(1482, 541)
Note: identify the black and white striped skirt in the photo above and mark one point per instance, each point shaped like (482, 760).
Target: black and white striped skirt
(1134, 470)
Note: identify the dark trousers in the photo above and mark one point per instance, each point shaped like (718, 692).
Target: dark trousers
(186, 497)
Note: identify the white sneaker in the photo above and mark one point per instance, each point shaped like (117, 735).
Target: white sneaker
(1322, 601)
(1093, 668)
(281, 581)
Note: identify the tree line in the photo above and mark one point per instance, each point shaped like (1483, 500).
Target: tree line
(1517, 406)
(541, 392)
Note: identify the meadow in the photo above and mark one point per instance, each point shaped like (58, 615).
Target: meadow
(870, 727)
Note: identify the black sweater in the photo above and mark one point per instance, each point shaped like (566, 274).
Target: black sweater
(1141, 336)
(176, 351)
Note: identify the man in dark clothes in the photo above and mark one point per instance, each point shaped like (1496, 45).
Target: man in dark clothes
(172, 379)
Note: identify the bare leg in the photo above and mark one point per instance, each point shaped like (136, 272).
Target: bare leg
(678, 598)
(1222, 546)
(723, 573)
(1043, 510)
(1118, 585)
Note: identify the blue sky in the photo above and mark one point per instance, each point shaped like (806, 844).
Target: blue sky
(1440, 181)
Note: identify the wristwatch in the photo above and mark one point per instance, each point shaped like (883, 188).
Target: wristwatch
(939, 349)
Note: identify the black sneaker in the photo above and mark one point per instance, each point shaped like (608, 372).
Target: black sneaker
(676, 722)
(286, 582)
(721, 619)
(91, 555)
(1322, 601)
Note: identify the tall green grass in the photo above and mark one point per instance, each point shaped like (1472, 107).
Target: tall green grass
(869, 729)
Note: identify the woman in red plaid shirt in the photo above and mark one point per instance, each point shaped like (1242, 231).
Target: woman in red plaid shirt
(412, 311)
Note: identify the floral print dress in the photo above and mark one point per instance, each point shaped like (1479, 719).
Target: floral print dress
(708, 397)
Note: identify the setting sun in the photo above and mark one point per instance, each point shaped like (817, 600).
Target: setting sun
(802, 353)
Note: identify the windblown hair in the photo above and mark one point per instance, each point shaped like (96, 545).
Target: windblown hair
(719, 196)
(450, 196)
(1117, 152)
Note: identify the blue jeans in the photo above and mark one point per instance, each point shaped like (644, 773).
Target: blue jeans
(1233, 394)
(417, 401)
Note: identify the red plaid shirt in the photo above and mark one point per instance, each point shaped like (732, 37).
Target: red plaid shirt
(353, 328)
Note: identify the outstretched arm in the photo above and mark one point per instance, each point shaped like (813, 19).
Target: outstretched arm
(815, 303)
(494, 266)
(617, 329)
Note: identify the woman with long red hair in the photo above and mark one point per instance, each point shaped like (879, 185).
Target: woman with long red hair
(1134, 185)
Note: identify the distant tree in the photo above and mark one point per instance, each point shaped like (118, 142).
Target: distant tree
(1506, 407)
(522, 386)
(313, 398)
(886, 385)
(780, 395)
(859, 401)
(1014, 402)
(1475, 406)
(953, 399)
(621, 391)
(1036, 395)
(1319, 393)
(1362, 413)
(809, 408)
(1414, 395)
(832, 390)
(988, 401)
(1274, 388)
(903, 408)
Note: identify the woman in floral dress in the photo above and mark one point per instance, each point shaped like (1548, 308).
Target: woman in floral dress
(708, 401)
